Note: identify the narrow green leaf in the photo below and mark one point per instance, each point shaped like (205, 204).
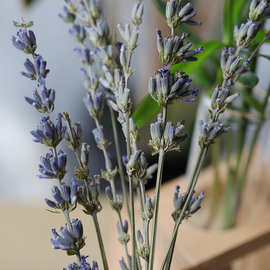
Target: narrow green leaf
(209, 48)
(237, 10)
(228, 22)
(147, 109)
(254, 103)
(249, 79)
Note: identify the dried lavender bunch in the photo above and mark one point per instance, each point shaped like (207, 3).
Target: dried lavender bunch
(51, 134)
(107, 67)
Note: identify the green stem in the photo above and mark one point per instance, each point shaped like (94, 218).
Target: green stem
(133, 233)
(119, 160)
(100, 242)
(168, 265)
(156, 199)
(157, 194)
(216, 185)
(190, 190)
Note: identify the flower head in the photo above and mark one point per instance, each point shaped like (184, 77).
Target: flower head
(94, 102)
(175, 49)
(164, 87)
(43, 102)
(71, 241)
(177, 12)
(52, 167)
(210, 132)
(35, 70)
(49, 133)
(25, 41)
(168, 138)
(65, 198)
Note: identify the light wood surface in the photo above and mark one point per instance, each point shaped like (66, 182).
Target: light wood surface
(25, 234)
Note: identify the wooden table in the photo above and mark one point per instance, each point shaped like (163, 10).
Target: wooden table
(25, 234)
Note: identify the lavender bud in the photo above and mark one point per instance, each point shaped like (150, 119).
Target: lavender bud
(257, 9)
(78, 32)
(137, 13)
(108, 193)
(67, 16)
(94, 102)
(231, 98)
(140, 238)
(149, 208)
(51, 204)
(123, 264)
(196, 205)
(99, 138)
(85, 154)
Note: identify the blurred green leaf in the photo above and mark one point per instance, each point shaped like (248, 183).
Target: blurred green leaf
(265, 56)
(29, 2)
(147, 109)
(228, 22)
(161, 5)
(209, 48)
(249, 79)
(259, 38)
(253, 103)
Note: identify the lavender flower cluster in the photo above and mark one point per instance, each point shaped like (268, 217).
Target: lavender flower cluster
(107, 68)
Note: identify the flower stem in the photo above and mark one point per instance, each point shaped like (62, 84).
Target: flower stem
(156, 199)
(133, 234)
(119, 160)
(190, 190)
(100, 242)
(157, 194)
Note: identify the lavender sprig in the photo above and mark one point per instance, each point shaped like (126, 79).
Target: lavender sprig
(233, 65)
(50, 134)
(164, 88)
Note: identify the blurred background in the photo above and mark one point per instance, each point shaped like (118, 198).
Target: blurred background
(19, 156)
